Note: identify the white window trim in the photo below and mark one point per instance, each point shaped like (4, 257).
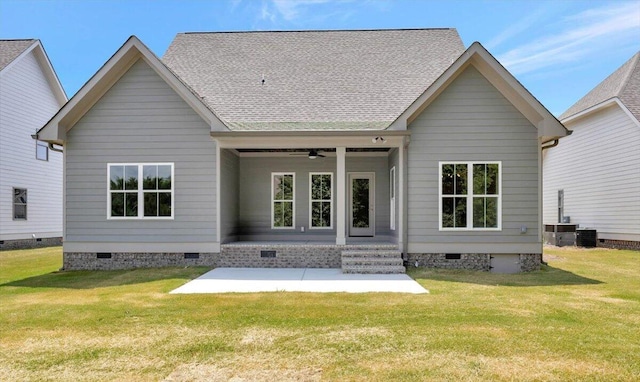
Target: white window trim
(319, 200)
(293, 193)
(140, 192)
(392, 198)
(469, 196)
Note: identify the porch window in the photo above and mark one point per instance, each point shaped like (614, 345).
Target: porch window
(282, 200)
(321, 200)
(19, 204)
(470, 196)
(140, 191)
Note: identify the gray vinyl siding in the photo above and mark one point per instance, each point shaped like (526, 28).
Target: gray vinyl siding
(27, 102)
(140, 120)
(472, 121)
(229, 194)
(255, 195)
(598, 167)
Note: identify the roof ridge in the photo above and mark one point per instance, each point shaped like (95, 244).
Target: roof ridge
(321, 30)
(18, 39)
(632, 68)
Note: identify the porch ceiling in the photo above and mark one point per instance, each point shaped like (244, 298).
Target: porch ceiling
(301, 140)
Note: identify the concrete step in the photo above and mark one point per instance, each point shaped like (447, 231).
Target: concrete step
(371, 253)
(368, 269)
(378, 261)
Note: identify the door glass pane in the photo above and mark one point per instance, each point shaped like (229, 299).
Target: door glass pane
(360, 209)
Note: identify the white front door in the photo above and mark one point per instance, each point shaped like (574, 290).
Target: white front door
(361, 204)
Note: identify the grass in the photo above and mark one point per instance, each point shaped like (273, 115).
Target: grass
(577, 319)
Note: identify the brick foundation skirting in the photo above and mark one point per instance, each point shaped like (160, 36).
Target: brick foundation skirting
(6, 245)
(470, 261)
(113, 261)
(619, 244)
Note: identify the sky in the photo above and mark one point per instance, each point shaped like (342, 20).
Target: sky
(559, 50)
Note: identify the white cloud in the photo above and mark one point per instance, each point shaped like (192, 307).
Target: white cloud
(517, 27)
(587, 33)
(292, 9)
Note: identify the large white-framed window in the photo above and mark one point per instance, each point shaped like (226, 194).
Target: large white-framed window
(19, 203)
(283, 200)
(321, 200)
(42, 151)
(470, 196)
(392, 198)
(140, 191)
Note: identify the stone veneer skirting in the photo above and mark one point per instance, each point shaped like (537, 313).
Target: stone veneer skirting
(471, 261)
(242, 255)
(30, 243)
(619, 244)
(102, 261)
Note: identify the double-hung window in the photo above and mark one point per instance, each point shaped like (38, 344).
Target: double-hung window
(19, 204)
(140, 191)
(470, 196)
(282, 200)
(320, 199)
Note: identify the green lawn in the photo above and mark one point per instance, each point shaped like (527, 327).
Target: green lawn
(577, 319)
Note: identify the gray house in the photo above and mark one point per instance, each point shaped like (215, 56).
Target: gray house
(304, 149)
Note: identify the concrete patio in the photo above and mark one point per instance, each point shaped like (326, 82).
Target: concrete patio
(318, 280)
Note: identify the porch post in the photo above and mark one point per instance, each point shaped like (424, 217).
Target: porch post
(401, 194)
(341, 215)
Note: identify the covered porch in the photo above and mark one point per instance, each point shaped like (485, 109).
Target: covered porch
(306, 199)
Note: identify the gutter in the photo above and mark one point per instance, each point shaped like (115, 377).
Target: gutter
(51, 146)
(555, 141)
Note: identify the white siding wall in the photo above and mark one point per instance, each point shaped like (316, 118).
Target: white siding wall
(140, 119)
(472, 121)
(26, 104)
(598, 167)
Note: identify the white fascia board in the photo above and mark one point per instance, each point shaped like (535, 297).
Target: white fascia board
(50, 74)
(600, 106)
(46, 67)
(17, 59)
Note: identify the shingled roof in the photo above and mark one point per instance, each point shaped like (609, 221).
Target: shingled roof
(624, 84)
(313, 80)
(11, 49)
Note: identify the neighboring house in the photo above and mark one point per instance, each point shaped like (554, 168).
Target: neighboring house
(30, 172)
(304, 149)
(593, 177)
